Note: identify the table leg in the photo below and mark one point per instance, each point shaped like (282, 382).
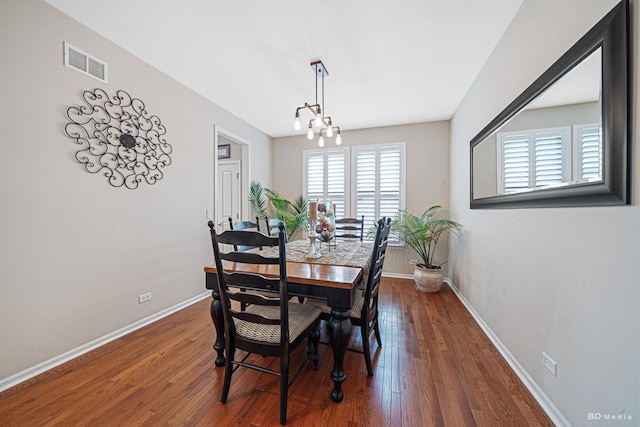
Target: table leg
(339, 332)
(218, 322)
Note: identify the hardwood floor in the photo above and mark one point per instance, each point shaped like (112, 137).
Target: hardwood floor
(436, 368)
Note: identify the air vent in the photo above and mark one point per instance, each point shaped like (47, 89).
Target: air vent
(85, 63)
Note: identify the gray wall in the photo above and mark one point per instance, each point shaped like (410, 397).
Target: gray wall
(75, 251)
(427, 154)
(563, 281)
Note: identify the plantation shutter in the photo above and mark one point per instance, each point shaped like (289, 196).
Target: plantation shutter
(549, 158)
(326, 175)
(515, 162)
(589, 153)
(378, 176)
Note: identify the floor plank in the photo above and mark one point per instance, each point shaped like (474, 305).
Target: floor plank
(435, 368)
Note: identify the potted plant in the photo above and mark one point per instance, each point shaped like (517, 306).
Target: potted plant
(422, 234)
(267, 203)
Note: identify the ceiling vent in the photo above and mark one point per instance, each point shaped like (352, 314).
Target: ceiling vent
(85, 63)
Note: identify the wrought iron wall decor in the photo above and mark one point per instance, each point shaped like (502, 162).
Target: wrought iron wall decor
(119, 138)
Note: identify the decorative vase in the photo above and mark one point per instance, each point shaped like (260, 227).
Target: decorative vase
(325, 226)
(428, 279)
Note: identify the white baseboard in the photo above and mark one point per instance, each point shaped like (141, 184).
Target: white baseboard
(547, 405)
(31, 372)
(398, 275)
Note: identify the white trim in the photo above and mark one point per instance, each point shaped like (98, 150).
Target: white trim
(398, 275)
(245, 169)
(547, 405)
(38, 369)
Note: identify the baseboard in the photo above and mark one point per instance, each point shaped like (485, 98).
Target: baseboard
(397, 275)
(547, 405)
(38, 369)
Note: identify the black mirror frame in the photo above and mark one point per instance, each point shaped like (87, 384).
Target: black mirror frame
(612, 34)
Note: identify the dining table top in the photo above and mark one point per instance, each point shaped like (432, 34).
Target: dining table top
(340, 266)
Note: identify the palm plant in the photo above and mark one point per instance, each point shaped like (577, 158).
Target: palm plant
(257, 200)
(423, 232)
(293, 214)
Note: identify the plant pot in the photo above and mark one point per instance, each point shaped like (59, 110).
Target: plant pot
(427, 279)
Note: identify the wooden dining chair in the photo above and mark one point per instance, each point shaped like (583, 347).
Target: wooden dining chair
(350, 228)
(244, 225)
(272, 226)
(271, 325)
(364, 313)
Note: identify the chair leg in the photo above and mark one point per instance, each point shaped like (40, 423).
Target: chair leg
(365, 331)
(228, 371)
(376, 330)
(284, 387)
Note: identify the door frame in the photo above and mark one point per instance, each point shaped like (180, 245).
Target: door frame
(237, 163)
(245, 168)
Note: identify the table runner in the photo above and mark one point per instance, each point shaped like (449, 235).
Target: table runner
(350, 254)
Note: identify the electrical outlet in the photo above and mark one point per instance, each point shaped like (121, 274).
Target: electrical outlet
(144, 297)
(549, 364)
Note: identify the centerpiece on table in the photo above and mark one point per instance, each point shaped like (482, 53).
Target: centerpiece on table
(326, 222)
(312, 236)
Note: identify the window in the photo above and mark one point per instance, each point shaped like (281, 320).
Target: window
(532, 159)
(544, 157)
(364, 180)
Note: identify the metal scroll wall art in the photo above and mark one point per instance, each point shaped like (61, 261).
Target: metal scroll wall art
(119, 139)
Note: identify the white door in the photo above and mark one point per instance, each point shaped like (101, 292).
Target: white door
(229, 198)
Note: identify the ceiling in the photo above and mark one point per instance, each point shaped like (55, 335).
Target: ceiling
(389, 63)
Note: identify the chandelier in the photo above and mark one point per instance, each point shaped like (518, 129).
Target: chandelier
(322, 123)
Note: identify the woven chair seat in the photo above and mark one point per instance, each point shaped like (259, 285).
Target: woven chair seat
(301, 316)
(356, 310)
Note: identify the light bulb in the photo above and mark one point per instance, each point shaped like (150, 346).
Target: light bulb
(318, 121)
(329, 131)
(310, 133)
(296, 124)
(321, 141)
(338, 139)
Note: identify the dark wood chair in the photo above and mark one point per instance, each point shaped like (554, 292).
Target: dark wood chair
(244, 225)
(364, 313)
(271, 325)
(350, 228)
(273, 226)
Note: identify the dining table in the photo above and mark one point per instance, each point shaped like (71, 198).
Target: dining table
(335, 277)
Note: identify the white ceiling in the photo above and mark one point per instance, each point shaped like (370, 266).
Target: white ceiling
(389, 62)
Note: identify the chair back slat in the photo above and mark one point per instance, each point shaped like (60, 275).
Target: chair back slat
(253, 281)
(247, 258)
(244, 225)
(349, 228)
(249, 237)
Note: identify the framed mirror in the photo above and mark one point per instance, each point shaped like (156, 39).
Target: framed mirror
(565, 140)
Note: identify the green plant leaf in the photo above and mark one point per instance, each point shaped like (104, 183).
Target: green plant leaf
(422, 233)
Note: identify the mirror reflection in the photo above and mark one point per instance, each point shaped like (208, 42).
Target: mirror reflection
(555, 141)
